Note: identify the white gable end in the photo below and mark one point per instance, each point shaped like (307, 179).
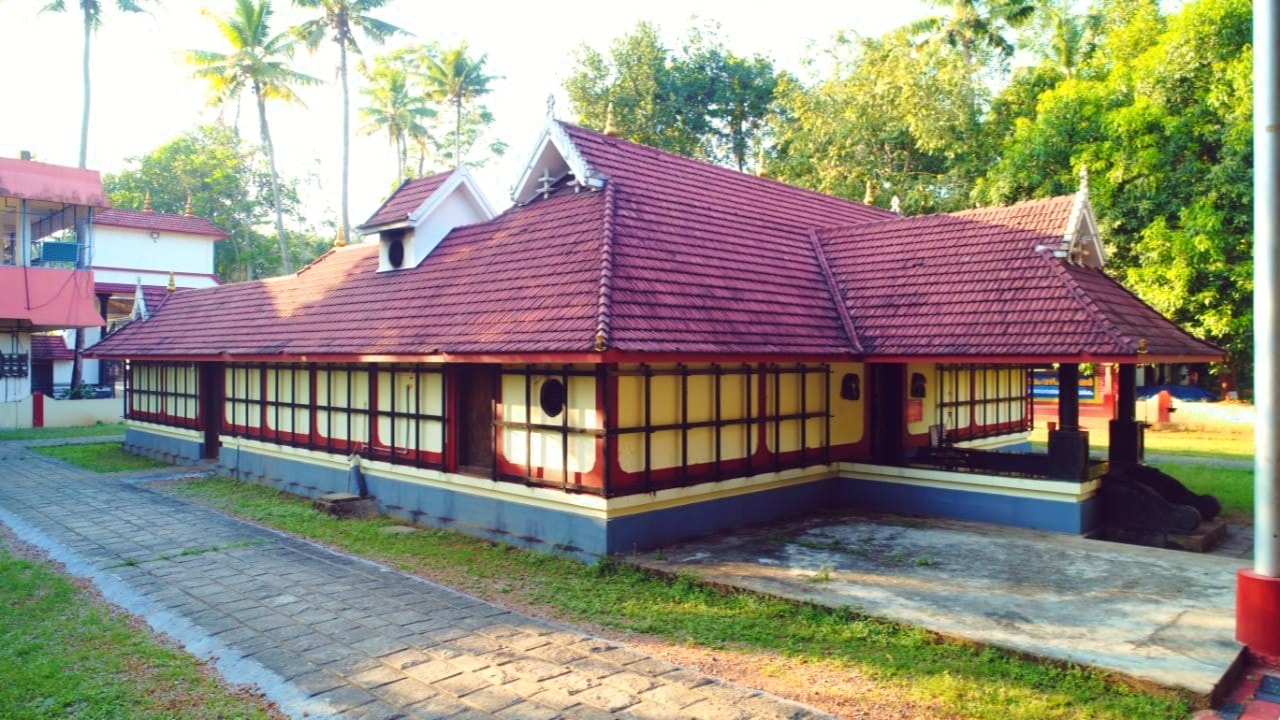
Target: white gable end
(457, 202)
(554, 156)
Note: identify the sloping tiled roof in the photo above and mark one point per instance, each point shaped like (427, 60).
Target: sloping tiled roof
(407, 198)
(972, 283)
(712, 260)
(525, 282)
(677, 256)
(50, 347)
(159, 222)
(153, 294)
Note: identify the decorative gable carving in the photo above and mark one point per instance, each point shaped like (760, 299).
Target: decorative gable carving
(554, 156)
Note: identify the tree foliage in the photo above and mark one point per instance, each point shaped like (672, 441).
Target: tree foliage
(1162, 119)
(891, 119)
(227, 182)
(702, 101)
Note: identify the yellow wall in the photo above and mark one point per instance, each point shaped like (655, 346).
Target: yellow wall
(244, 408)
(930, 414)
(544, 448)
(848, 417)
(289, 385)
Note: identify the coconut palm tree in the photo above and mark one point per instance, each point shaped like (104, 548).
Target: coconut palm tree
(394, 107)
(972, 24)
(91, 11)
(258, 62)
(456, 79)
(340, 19)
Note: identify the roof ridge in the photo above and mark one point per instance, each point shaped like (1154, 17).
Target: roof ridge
(837, 296)
(1090, 306)
(605, 296)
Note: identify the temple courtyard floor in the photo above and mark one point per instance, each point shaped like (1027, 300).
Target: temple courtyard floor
(1158, 616)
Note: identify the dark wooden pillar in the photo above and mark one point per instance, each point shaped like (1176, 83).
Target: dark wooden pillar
(1069, 445)
(1125, 430)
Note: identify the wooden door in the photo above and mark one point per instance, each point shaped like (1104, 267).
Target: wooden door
(888, 415)
(211, 405)
(476, 396)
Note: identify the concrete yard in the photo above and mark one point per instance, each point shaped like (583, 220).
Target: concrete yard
(1159, 616)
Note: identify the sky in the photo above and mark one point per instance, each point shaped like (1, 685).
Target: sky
(144, 94)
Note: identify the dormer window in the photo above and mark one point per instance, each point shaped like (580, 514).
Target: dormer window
(393, 247)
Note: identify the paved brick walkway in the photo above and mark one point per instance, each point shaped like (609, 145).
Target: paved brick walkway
(328, 635)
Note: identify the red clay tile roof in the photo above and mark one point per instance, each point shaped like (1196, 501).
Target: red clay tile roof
(526, 281)
(50, 347)
(159, 222)
(707, 259)
(407, 198)
(972, 284)
(677, 256)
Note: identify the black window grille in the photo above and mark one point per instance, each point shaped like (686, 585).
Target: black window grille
(743, 420)
(394, 413)
(982, 401)
(163, 393)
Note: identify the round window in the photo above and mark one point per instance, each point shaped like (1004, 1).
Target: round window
(395, 252)
(552, 397)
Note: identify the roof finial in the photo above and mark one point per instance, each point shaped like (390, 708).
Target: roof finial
(870, 196)
(342, 237)
(895, 205)
(551, 106)
(173, 285)
(610, 128)
(187, 210)
(760, 171)
(1084, 180)
(146, 202)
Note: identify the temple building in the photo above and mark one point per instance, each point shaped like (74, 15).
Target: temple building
(645, 347)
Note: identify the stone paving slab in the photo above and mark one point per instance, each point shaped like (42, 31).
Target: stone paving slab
(325, 635)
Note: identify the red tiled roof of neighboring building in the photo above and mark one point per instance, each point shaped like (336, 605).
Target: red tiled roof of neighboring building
(158, 222)
(50, 347)
(973, 283)
(31, 180)
(677, 256)
(153, 294)
(407, 198)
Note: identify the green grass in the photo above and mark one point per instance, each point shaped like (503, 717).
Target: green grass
(1233, 487)
(100, 457)
(66, 432)
(910, 663)
(1180, 443)
(63, 655)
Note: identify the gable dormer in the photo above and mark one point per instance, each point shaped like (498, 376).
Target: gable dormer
(421, 213)
(554, 156)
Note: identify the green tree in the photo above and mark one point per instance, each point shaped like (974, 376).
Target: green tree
(225, 181)
(890, 119)
(258, 62)
(396, 106)
(340, 19)
(91, 12)
(1062, 37)
(457, 79)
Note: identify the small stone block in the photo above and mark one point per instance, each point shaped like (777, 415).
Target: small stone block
(1205, 538)
(346, 505)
